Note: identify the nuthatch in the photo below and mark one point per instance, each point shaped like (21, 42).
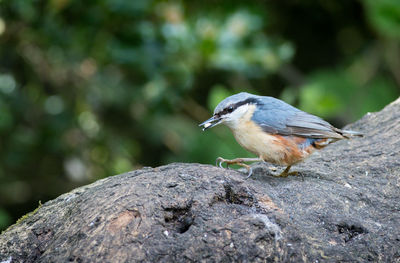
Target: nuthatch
(273, 130)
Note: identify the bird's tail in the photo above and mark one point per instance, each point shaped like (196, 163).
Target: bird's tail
(349, 134)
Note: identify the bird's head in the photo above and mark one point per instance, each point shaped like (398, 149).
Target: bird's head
(231, 110)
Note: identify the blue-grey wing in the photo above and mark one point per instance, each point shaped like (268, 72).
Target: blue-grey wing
(306, 125)
(277, 117)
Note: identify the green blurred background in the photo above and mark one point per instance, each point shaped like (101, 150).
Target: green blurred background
(90, 89)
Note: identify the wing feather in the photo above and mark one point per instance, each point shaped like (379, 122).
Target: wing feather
(278, 117)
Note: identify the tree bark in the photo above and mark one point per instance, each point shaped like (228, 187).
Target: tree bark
(347, 208)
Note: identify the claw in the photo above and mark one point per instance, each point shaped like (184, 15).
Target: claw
(220, 161)
(250, 173)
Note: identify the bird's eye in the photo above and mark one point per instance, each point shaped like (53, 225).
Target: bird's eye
(229, 109)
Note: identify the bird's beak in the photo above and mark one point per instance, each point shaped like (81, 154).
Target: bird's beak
(211, 122)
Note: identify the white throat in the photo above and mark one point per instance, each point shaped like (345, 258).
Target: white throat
(239, 115)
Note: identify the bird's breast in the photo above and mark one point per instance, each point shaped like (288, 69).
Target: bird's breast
(277, 149)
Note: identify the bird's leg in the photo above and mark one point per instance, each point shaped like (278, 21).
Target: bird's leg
(286, 173)
(238, 161)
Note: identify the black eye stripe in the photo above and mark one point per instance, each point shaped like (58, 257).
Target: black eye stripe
(248, 101)
(233, 107)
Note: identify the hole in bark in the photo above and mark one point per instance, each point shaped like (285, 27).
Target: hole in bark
(181, 219)
(185, 224)
(240, 197)
(75, 259)
(350, 231)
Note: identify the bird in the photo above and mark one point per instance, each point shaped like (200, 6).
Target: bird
(273, 130)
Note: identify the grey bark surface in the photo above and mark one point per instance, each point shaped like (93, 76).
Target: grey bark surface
(347, 209)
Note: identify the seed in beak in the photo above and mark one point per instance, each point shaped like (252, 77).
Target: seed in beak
(208, 124)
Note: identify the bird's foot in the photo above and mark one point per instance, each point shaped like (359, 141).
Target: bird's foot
(286, 173)
(238, 161)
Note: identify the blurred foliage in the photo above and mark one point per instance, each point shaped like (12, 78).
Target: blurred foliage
(91, 89)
